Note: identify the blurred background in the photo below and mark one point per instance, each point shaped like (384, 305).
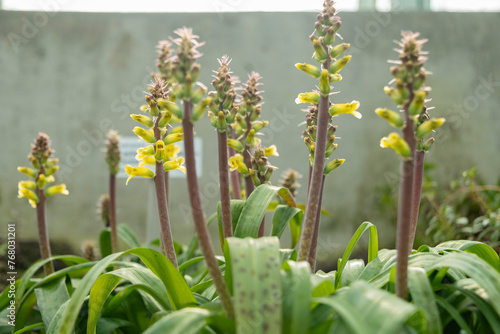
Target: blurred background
(75, 69)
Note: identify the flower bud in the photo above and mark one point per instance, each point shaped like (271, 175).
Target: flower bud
(428, 143)
(399, 96)
(309, 97)
(236, 144)
(228, 102)
(319, 29)
(320, 54)
(153, 108)
(164, 119)
(231, 115)
(198, 94)
(330, 36)
(419, 80)
(254, 115)
(269, 173)
(147, 135)
(417, 104)
(199, 110)
(173, 138)
(337, 65)
(27, 184)
(259, 125)
(255, 178)
(195, 72)
(346, 108)
(337, 50)
(311, 130)
(143, 119)
(332, 129)
(312, 70)
(330, 149)
(426, 127)
(324, 83)
(41, 182)
(59, 189)
(250, 140)
(221, 122)
(172, 107)
(392, 117)
(335, 77)
(332, 165)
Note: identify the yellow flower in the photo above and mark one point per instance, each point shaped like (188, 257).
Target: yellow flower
(175, 164)
(271, 150)
(144, 152)
(160, 150)
(59, 189)
(149, 160)
(236, 144)
(309, 69)
(397, 143)
(390, 116)
(346, 108)
(332, 165)
(27, 184)
(171, 151)
(173, 138)
(337, 65)
(310, 97)
(143, 119)
(236, 163)
(147, 135)
(26, 193)
(138, 171)
(28, 171)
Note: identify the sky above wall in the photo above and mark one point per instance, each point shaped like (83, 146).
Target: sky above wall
(226, 5)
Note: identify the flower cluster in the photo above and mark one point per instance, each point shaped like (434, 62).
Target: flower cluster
(161, 149)
(222, 104)
(328, 55)
(42, 173)
(408, 91)
(290, 181)
(113, 152)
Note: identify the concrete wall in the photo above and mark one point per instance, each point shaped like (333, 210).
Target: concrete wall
(75, 75)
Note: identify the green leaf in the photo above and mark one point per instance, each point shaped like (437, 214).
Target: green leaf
(454, 313)
(365, 309)
(186, 321)
(102, 288)
(372, 248)
(255, 207)
(284, 215)
(177, 289)
(256, 284)
(38, 325)
(128, 236)
(297, 289)
(423, 297)
(482, 250)
(105, 242)
(50, 297)
(236, 207)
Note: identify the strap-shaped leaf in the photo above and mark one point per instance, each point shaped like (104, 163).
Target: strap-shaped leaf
(256, 280)
(255, 208)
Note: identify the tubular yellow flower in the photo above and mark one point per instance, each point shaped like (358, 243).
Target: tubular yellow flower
(144, 152)
(310, 97)
(332, 165)
(392, 117)
(164, 119)
(320, 54)
(171, 151)
(27, 184)
(59, 189)
(426, 127)
(149, 160)
(259, 125)
(199, 109)
(160, 150)
(346, 108)
(236, 144)
(28, 171)
(138, 171)
(143, 119)
(417, 104)
(312, 70)
(175, 164)
(173, 138)
(397, 143)
(147, 135)
(236, 163)
(339, 64)
(30, 195)
(271, 150)
(172, 107)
